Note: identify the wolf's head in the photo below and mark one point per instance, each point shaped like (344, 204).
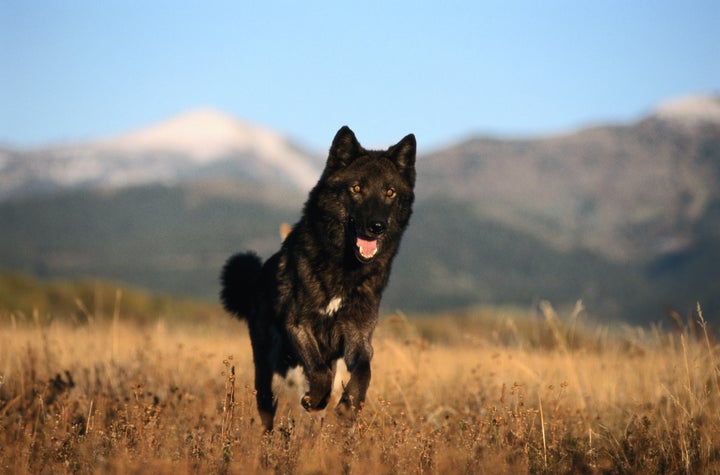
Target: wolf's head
(366, 195)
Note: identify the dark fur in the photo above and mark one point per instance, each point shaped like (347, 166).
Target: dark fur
(316, 300)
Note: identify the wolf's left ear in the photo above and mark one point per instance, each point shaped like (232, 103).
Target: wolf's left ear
(403, 154)
(344, 148)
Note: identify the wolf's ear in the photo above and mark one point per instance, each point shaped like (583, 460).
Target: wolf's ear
(403, 154)
(344, 148)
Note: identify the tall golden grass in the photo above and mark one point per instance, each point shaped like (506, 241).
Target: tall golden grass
(486, 393)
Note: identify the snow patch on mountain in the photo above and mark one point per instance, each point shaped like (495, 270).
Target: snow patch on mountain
(205, 136)
(692, 109)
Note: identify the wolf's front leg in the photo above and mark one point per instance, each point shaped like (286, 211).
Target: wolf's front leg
(320, 375)
(357, 359)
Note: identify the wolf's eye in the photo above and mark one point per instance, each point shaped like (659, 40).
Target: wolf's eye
(390, 193)
(356, 188)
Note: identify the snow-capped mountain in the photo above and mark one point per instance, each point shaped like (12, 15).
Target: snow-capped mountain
(199, 144)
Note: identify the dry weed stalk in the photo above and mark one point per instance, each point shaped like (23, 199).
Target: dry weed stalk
(229, 401)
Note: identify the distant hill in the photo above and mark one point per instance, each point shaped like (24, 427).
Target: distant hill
(625, 191)
(626, 217)
(199, 145)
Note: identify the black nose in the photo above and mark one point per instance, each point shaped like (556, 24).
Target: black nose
(377, 227)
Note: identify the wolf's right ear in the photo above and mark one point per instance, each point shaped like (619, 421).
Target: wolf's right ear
(403, 152)
(344, 148)
(403, 155)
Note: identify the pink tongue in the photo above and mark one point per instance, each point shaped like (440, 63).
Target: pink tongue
(368, 248)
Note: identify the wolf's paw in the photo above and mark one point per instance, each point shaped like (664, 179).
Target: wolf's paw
(346, 411)
(314, 404)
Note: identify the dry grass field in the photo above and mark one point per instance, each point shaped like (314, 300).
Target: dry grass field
(488, 392)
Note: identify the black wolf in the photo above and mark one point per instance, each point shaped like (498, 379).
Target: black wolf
(316, 300)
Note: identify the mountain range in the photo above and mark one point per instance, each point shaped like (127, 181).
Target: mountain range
(623, 216)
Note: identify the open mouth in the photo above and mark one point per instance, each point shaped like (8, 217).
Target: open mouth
(365, 248)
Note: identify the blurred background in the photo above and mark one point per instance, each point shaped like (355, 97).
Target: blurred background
(567, 150)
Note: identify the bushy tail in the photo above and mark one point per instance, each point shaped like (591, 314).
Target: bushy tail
(239, 284)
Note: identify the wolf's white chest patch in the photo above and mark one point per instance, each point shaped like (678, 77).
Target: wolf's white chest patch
(333, 306)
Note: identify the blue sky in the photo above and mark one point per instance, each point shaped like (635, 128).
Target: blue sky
(74, 70)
